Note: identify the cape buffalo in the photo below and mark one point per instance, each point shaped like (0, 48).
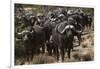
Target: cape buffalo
(34, 39)
(62, 36)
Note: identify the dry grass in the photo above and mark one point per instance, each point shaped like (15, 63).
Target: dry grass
(87, 55)
(37, 59)
(43, 59)
(86, 51)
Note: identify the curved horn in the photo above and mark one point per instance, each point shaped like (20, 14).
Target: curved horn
(66, 27)
(81, 29)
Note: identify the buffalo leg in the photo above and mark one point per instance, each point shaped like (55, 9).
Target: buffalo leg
(69, 50)
(49, 48)
(32, 54)
(27, 55)
(50, 51)
(43, 48)
(57, 54)
(54, 51)
(63, 54)
(79, 39)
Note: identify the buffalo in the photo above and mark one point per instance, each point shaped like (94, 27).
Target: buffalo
(62, 37)
(33, 40)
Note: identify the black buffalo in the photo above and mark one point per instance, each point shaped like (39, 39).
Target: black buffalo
(77, 21)
(29, 19)
(62, 37)
(34, 39)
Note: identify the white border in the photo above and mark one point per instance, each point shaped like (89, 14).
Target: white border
(42, 2)
(77, 3)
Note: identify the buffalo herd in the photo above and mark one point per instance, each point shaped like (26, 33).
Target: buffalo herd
(53, 32)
